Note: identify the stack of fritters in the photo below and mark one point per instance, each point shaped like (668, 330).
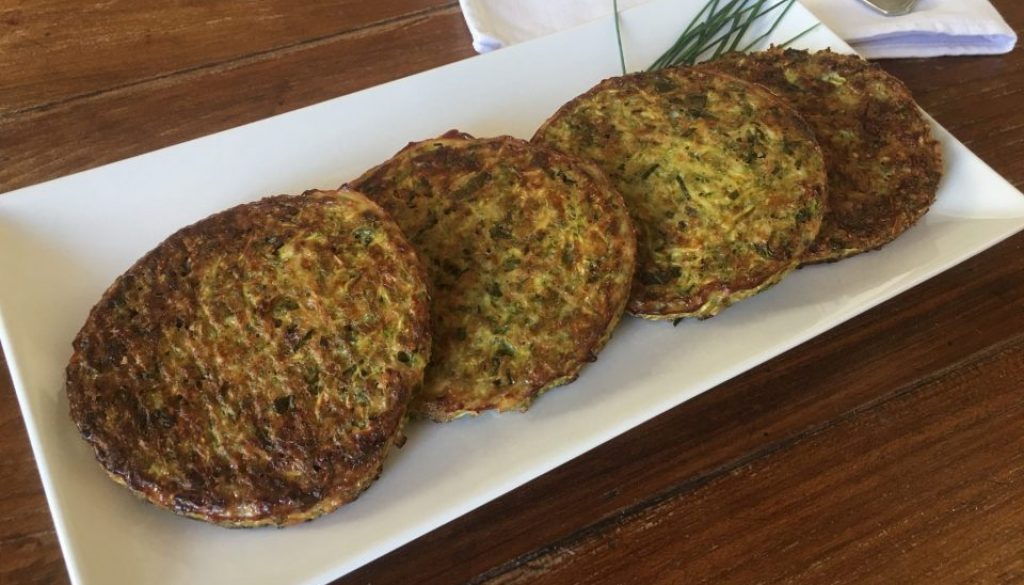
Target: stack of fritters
(256, 367)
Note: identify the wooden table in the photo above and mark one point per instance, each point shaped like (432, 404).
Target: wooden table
(889, 450)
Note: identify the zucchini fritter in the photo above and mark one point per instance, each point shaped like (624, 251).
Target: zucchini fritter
(255, 367)
(530, 254)
(884, 166)
(725, 183)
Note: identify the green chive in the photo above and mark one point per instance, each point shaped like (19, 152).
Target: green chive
(720, 27)
(618, 36)
(790, 41)
(771, 29)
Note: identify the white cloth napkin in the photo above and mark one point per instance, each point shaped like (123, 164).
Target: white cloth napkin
(498, 23)
(936, 27)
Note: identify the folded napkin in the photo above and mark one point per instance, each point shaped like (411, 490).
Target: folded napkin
(936, 27)
(498, 23)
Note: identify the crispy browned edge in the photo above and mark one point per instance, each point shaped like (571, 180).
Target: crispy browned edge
(438, 411)
(749, 285)
(918, 140)
(370, 468)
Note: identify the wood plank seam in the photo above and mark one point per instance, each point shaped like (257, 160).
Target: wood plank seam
(373, 28)
(694, 483)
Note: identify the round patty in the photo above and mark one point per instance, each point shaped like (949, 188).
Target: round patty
(725, 183)
(883, 164)
(530, 254)
(255, 367)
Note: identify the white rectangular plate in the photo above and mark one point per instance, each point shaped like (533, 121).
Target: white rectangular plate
(63, 242)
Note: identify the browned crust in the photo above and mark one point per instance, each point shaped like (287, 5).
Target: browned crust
(884, 165)
(255, 367)
(530, 253)
(589, 126)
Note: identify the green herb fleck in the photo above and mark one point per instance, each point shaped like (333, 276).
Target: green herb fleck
(364, 234)
(304, 339)
(470, 186)
(312, 378)
(568, 256)
(274, 243)
(650, 170)
(163, 418)
(505, 349)
(500, 231)
(682, 186)
(284, 304)
(764, 250)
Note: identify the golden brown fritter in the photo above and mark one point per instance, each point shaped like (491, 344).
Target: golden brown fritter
(530, 253)
(884, 166)
(725, 183)
(256, 366)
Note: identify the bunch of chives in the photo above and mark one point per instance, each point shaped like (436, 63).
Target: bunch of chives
(718, 28)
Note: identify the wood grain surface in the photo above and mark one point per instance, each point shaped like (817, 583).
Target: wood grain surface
(888, 450)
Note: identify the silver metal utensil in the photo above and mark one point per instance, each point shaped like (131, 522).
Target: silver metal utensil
(892, 7)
